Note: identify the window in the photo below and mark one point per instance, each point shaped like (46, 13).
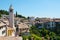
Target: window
(48, 25)
(0, 27)
(4, 25)
(3, 31)
(11, 10)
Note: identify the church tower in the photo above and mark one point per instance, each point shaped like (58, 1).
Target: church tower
(11, 17)
(10, 29)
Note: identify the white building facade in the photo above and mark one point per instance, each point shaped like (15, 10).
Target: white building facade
(2, 29)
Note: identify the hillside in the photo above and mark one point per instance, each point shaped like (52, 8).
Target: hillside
(3, 12)
(7, 13)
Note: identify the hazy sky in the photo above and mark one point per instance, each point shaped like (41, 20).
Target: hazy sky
(37, 8)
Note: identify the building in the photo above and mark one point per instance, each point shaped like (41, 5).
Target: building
(10, 24)
(11, 16)
(31, 20)
(11, 27)
(23, 28)
(47, 22)
(42, 22)
(2, 28)
(15, 24)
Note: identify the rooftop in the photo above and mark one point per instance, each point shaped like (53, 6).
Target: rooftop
(23, 25)
(2, 24)
(10, 38)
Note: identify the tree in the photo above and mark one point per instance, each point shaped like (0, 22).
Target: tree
(57, 28)
(0, 15)
(58, 37)
(4, 12)
(16, 14)
(28, 17)
(20, 16)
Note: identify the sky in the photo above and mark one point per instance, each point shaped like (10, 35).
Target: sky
(35, 8)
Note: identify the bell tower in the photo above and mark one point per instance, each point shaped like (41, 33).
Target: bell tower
(11, 17)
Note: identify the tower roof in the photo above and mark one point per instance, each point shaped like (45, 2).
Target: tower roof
(11, 8)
